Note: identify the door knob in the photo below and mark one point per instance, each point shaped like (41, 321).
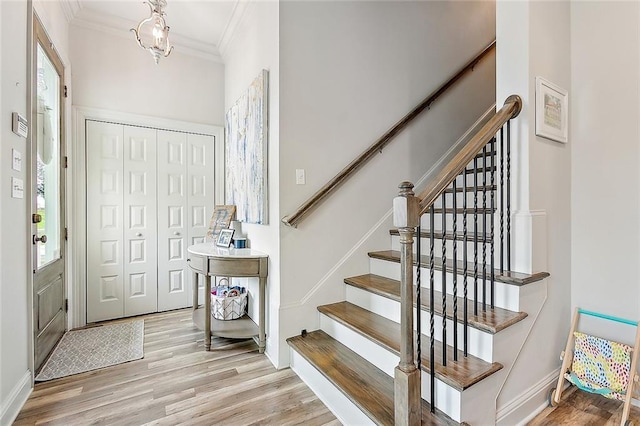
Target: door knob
(42, 239)
(138, 234)
(176, 233)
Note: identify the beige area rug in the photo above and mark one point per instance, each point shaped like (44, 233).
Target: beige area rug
(92, 348)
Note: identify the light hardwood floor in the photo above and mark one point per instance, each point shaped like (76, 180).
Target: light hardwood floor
(585, 409)
(177, 382)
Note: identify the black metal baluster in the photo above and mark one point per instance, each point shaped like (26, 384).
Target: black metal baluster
(432, 345)
(509, 195)
(475, 236)
(502, 200)
(465, 310)
(484, 228)
(444, 280)
(455, 268)
(493, 273)
(418, 302)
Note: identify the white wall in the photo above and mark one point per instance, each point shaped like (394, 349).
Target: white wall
(253, 47)
(605, 163)
(14, 290)
(349, 71)
(534, 40)
(111, 72)
(15, 248)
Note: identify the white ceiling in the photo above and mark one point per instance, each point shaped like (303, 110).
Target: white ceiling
(199, 27)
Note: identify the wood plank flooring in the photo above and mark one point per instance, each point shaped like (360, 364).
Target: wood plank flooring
(177, 382)
(585, 409)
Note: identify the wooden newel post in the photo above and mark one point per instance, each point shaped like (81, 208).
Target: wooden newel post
(406, 218)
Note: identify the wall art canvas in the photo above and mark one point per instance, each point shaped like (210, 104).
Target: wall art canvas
(246, 126)
(552, 111)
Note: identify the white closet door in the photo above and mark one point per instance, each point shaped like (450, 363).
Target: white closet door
(140, 221)
(200, 189)
(173, 272)
(105, 269)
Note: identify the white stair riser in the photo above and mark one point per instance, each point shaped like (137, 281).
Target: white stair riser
(505, 296)
(387, 361)
(341, 406)
(480, 343)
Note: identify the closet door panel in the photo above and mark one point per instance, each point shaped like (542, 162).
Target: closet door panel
(140, 221)
(105, 228)
(173, 284)
(200, 189)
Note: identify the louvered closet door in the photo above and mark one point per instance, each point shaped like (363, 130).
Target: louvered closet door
(105, 230)
(140, 221)
(200, 170)
(173, 273)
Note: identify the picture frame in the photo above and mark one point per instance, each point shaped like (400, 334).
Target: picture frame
(220, 219)
(246, 133)
(225, 237)
(552, 111)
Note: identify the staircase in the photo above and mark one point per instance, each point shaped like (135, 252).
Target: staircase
(350, 361)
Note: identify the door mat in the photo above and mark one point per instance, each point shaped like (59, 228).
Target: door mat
(92, 348)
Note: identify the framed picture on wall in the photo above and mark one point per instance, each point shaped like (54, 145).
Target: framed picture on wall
(552, 111)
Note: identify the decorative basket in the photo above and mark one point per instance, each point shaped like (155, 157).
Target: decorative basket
(228, 303)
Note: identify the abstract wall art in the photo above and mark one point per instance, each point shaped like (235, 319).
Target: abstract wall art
(246, 127)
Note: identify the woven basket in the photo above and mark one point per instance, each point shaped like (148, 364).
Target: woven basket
(228, 308)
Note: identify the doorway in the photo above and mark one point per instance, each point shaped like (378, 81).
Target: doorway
(48, 203)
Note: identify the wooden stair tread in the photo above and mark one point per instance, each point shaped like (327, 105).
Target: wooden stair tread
(491, 321)
(449, 235)
(460, 374)
(363, 383)
(507, 277)
(469, 188)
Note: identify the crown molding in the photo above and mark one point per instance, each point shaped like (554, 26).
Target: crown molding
(229, 32)
(70, 8)
(120, 27)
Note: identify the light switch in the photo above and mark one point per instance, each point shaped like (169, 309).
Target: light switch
(300, 178)
(17, 160)
(17, 188)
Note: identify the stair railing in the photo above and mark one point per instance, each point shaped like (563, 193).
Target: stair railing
(481, 146)
(316, 199)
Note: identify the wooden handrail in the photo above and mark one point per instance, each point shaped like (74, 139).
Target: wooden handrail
(295, 218)
(511, 108)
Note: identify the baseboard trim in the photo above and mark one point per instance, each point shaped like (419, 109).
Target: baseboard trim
(16, 399)
(511, 408)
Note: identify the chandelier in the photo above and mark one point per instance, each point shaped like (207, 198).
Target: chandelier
(157, 34)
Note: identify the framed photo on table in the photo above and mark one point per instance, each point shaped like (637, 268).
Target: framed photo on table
(552, 111)
(224, 238)
(220, 219)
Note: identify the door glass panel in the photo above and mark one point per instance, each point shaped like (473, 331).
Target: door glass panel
(48, 160)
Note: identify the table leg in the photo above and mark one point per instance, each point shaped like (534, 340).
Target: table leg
(262, 337)
(195, 290)
(207, 312)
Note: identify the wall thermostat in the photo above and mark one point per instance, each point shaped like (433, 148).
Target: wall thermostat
(20, 125)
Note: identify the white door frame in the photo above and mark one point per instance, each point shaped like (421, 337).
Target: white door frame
(76, 181)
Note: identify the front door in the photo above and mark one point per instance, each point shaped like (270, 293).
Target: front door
(48, 212)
